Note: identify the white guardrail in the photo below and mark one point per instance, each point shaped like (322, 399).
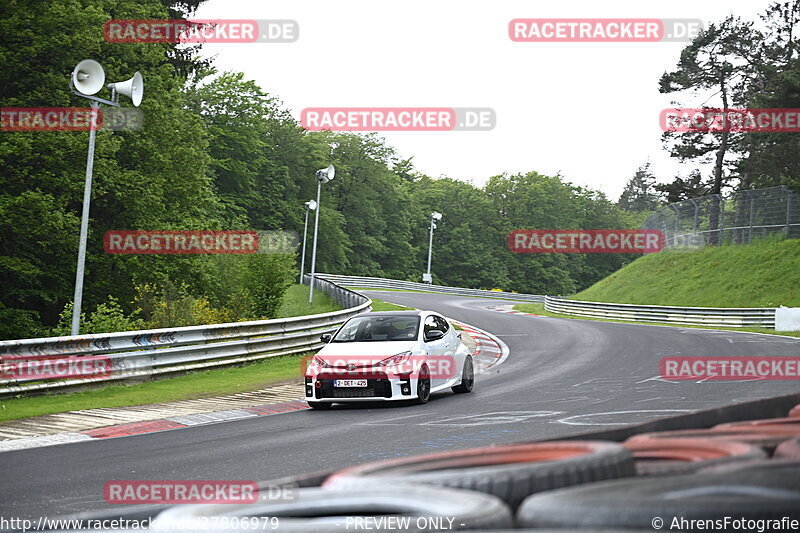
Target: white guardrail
(382, 283)
(138, 354)
(763, 317)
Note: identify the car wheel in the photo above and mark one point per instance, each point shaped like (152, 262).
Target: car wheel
(467, 377)
(321, 406)
(423, 385)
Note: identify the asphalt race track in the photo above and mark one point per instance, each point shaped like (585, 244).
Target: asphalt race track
(561, 377)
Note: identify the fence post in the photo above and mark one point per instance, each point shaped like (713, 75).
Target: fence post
(694, 223)
(752, 210)
(788, 212)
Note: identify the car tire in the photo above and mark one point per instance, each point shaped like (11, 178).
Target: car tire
(467, 377)
(789, 449)
(681, 456)
(320, 406)
(314, 510)
(510, 472)
(762, 491)
(423, 385)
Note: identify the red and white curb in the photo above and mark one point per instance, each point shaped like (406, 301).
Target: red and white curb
(152, 426)
(489, 352)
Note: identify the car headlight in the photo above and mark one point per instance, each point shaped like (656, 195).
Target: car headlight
(317, 361)
(397, 359)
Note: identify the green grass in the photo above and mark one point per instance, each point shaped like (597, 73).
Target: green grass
(538, 309)
(380, 305)
(763, 274)
(295, 302)
(201, 384)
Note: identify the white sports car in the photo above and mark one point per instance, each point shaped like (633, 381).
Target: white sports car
(387, 356)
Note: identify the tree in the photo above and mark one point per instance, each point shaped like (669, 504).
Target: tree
(683, 188)
(724, 58)
(639, 193)
(773, 158)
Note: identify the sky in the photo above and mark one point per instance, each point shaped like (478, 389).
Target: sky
(588, 111)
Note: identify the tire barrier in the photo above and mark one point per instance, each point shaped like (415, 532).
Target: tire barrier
(769, 491)
(509, 472)
(314, 510)
(755, 425)
(788, 449)
(767, 440)
(673, 456)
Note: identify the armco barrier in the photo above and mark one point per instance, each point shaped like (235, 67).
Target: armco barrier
(135, 354)
(381, 283)
(691, 316)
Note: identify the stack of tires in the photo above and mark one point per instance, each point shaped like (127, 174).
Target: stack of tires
(730, 477)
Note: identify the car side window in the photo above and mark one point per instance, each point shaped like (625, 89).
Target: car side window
(430, 323)
(442, 324)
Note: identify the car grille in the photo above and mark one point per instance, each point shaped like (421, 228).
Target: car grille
(376, 388)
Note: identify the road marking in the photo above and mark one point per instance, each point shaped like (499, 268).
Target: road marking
(493, 418)
(578, 420)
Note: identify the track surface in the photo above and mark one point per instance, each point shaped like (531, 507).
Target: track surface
(562, 376)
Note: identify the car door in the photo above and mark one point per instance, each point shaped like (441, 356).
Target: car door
(450, 366)
(437, 350)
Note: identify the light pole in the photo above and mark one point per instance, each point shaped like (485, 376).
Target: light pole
(323, 176)
(311, 205)
(87, 79)
(435, 216)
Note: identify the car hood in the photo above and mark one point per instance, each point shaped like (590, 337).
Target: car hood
(376, 348)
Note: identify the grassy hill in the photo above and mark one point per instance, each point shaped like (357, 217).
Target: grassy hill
(763, 274)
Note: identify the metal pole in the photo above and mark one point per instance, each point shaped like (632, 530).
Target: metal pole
(752, 210)
(788, 212)
(303, 258)
(87, 197)
(314, 250)
(430, 249)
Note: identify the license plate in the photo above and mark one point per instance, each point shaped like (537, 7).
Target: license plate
(349, 382)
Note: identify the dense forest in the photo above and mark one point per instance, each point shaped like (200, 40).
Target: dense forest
(218, 152)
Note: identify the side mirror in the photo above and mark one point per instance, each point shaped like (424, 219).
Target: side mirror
(434, 335)
(325, 337)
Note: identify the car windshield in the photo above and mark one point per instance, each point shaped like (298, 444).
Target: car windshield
(379, 328)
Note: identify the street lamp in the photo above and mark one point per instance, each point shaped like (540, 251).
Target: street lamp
(87, 79)
(311, 205)
(323, 176)
(435, 217)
